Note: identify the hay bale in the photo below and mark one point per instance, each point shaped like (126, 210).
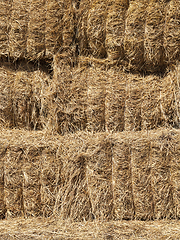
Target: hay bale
(161, 176)
(132, 113)
(95, 100)
(96, 28)
(74, 202)
(69, 99)
(2, 202)
(122, 178)
(152, 111)
(19, 28)
(5, 8)
(54, 25)
(21, 95)
(172, 32)
(141, 178)
(99, 176)
(13, 181)
(6, 113)
(115, 101)
(134, 34)
(32, 184)
(153, 38)
(36, 30)
(115, 27)
(50, 179)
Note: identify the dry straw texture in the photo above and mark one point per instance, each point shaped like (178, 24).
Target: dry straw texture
(18, 29)
(99, 176)
(36, 30)
(5, 9)
(172, 32)
(134, 34)
(2, 204)
(115, 101)
(122, 178)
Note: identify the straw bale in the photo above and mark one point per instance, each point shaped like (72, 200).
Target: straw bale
(115, 27)
(122, 178)
(6, 114)
(172, 31)
(69, 99)
(96, 100)
(115, 101)
(96, 28)
(54, 25)
(152, 111)
(32, 183)
(74, 202)
(134, 34)
(5, 8)
(50, 179)
(153, 38)
(2, 203)
(21, 95)
(141, 178)
(161, 177)
(19, 28)
(99, 176)
(13, 181)
(36, 30)
(132, 113)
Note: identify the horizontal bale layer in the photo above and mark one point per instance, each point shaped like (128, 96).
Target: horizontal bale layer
(122, 178)
(13, 182)
(74, 202)
(99, 177)
(36, 30)
(132, 115)
(153, 38)
(115, 101)
(134, 34)
(19, 28)
(95, 100)
(5, 9)
(141, 178)
(172, 32)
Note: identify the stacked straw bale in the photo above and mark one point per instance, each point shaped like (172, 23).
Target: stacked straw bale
(69, 99)
(5, 9)
(141, 178)
(161, 176)
(99, 176)
(134, 34)
(115, 101)
(132, 115)
(6, 114)
(172, 31)
(13, 181)
(115, 27)
(54, 25)
(21, 95)
(36, 30)
(152, 111)
(96, 28)
(19, 27)
(32, 183)
(74, 202)
(154, 35)
(122, 178)
(50, 179)
(96, 100)
(2, 204)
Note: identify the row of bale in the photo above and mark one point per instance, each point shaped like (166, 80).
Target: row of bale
(86, 176)
(142, 35)
(87, 98)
